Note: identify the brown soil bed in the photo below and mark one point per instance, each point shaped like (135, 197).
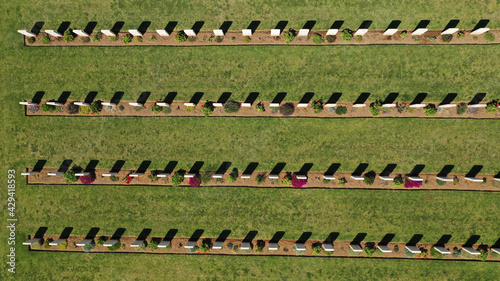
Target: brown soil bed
(285, 248)
(315, 181)
(123, 109)
(263, 37)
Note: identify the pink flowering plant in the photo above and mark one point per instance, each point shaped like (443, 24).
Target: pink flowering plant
(194, 182)
(88, 179)
(298, 183)
(412, 184)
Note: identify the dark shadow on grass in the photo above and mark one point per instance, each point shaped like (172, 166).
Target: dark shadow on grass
(446, 170)
(91, 166)
(64, 167)
(90, 27)
(196, 97)
(422, 24)
(279, 97)
(170, 97)
(477, 98)
(337, 24)
(63, 27)
(449, 98)
(419, 98)
(277, 237)
(197, 26)
(254, 25)
(443, 240)
(225, 26)
(170, 234)
(39, 165)
(143, 98)
(388, 170)
(414, 240)
(386, 239)
(196, 235)
(37, 98)
(144, 234)
(331, 237)
(143, 167)
(117, 166)
(278, 168)
(360, 169)
(472, 240)
(334, 98)
(224, 97)
(394, 24)
(390, 98)
(359, 237)
(118, 233)
(37, 27)
(251, 168)
(305, 169)
(250, 236)
(170, 167)
(496, 244)
(304, 237)
(170, 27)
(223, 168)
(92, 233)
(362, 98)
(66, 233)
(117, 27)
(144, 26)
(223, 235)
(309, 24)
(40, 232)
(252, 97)
(365, 24)
(481, 24)
(195, 169)
(307, 97)
(90, 97)
(117, 97)
(332, 169)
(451, 24)
(416, 170)
(281, 25)
(63, 98)
(474, 171)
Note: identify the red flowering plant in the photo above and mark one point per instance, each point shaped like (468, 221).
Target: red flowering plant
(205, 245)
(194, 182)
(127, 179)
(298, 183)
(411, 184)
(207, 108)
(260, 246)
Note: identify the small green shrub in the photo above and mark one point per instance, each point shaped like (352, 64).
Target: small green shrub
(369, 249)
(47, 242)
(96, 37)
(286, 180)
(153, 176)
(167, 110)
(317, 39)
(375, 108)
(155, 108)
(95, 108)
(36, 245)
(219, 39)
(342, 182)
(462, 109)
(113, 38)
(358, 39)
(326, 181)
(181, 37)
(260, 179)
(177, 178)
(430, 110)
(31, 40)
(89, 247)
(70, 176)
(48, 108)
(229, 246)
(440, 182)
(341, 110)
(432, 38)
(153, 245)
(489, 37)
(259, 246)
(398, 181)
(114, 178)
(331, 38)
(247, 39)
(45, 39)
(289, 36)
(232, 107)
(446, 37)
(260, 107)
(403, 34)
(101, 240)
(369, 178)
(483, 256)
(316, 249)
(232, 176)
(152, 38)
(127, 38)
(461, 34)
(138, 39)
(205, 246)
(207, 108)
(115, 246)
(317, 106)
(396, 249)
(456, 181)
(68, 37)
(435, 254)
(408, 253)
(456, 252)
(287, 109)
(346, 35)
(189, 108)
(492, 106)
(141, 247)
(63, 245)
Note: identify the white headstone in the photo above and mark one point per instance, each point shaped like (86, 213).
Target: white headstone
(361, 32)
(329, 177)
(135, 104)
(327, 247)
(218, 32)
(358, 178)
(356, 248)
(496, 250)
(110, 242)
(32, 241)
(384, 178)
(450, 31)
(274, 176)
(302, 104)
(301, 177)
(413, 249)
(218, 176)
(190, 32)
(163, 244)
(473, 179)
(303, 32)
(330, 105)
(389, 105)
(54, 103)
(480, 31)
(57, 242)
(82, 174)
(274, 104)
(390, 31)
(245, 176)
(135, 32)
(384, 249)
(135, 175)
(447, 105)
(272, 246)
(419, 31)
(29, 173)
(162, 175)
(471, 251)
(108, 33)
(246, 104)
(162, 104)
(109, 174)
(137, 243)
(217, 245)
(415, 178)
(359, 105)
(190, 244)
(496, 179)
(218, 104)
(27, 103)
(418, 105)
(80, 33)
(275, 32)
(189, 104)
(108, 103)
(246, 32)
(300, 246)
(162, 32)
(190, 175)
(27, 33)
(55, 174)
(245, 246)
(444, 178)
(83, 243)
(81, 103)
(53, 33)
(332, 32)
(442, 250)
(477, 105)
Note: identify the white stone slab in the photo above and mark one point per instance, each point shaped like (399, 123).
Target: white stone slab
(390, 31)
(32, 241)
(163, 244)
(136, 175)
(218, 104)
(135, 32)
(496, 250)
(109, 174)
(272, 247)
(389, 105)
(450, 31)
(274, 176)
(190, 175)
(108, 103)
(163, 104)
(137, 243)
(329, 177)
(302, 105)
(301, 177)
(327, 247)
(415, 178)
(57, 242)
(54, 103)
(384, 249)
(80, 33)
(135, 104)
(246, 32)
(218, 32)
(162, 32)
(218, 176)
(162, 175)
(300, 246)
(385, 178)
(83, 243)
(330, 105)
(418, 105)
(419, 31)
(29, 173)
(358, 178)
(55, 173)
(444, 178)
(413, 249)
(26, 33)
(332, 31)
(190, 244)
(361, 32)
(480, 31)
(442, 250)
(356, 248)
(275, 32)
(447, 105)
(190, 32)
(246, 104)
(303, 32)
(275, 104)
(359, 105)
(245, 176)
(110, 242)
(189, 104)
(473, 179)
(82, 174)
(245, 246)
(108, 33)
(81, 103)
(27, 103)
(477, 105)
(53, 33)
(496, 179)
(217, 245)
(471, 251)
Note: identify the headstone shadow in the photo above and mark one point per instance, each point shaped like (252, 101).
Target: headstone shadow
(337, 24)
(144, 26)
(309, 24)
(253, 25)
(224, 97)
(277, 237)
(304, 237)
(63, 98)
(446, 170)
(391, 98)
(362, 98)
(117, 166)
(117, 27)
(252, 97)
(449, 98)
(416, 170)
(419, 98)
(481, 24)
(278, 168)
(279, 97)
(334, 98)
(90, 96)
(90, 27)
(117, 97)
(281, 25)
(250, 236)
(388, 170)
(170, 97)
(474, 171)
(197, 26)
(143, 98)
(386, 239)
(169, 28)
(143, 167)
(196, 97)
(360, 169)
(394, 24)
(37, 27)
(63, 27)
(365, 24)
(225, 26)
(415, 239)
(195, 169)
(477, 98)
(39, 165)
(307, 97)
(251, 168)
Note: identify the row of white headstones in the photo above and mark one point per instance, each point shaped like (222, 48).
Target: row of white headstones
(248, 32)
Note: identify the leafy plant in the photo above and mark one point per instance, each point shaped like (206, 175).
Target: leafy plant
(114, 178)
(432, 38)
(96, 37)
(341, 110)
(286, 180)
(369, 249)
(36, 245)
(398, 181)
(153, 245)
(31, 40)
(456, 181)
(68, 37)
(456, 252)
(446, 37)
(330, 38)
(127, 38)
(287, 109)
(358, 38)
(396, 249)
(205, 245)
(232, 176)
(316, 249)
(115, 246)
(462, 109)
(89, 247)
(403, 34)
(346, 34)
(342, 182)
(430, 110)
(72, 108)
(247, 39)
(408, 253)
(138, 39)
(435, 254)
(70, 176)
(141, 247)
(155, 108)
(260, 107)
(375, 108)
(46, 243)
(261, 178)
(317, 39)
(95, 108)
(189, 108)
(153, 176)
(48, 108)
(167, 110)
(232, 107)
(259, 247)
(229, 246)
(45, 39)
(461, 34)
(289, 36)
(440, 182)
(207, 108)
(177, 178)
(63, 245)
(152, 38)
(326, 181)
(101, 240)
(317, 106)
(492, 106)
(113, 38)
(369, 178)
(194, 181)
(489, 37)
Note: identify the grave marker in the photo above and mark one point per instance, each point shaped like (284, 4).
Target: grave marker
(356, 248)
(108, 103)
(442, 250)
(332, 31)
(330, 105)
(418, 105)
(328, 177)
(27, 33)
(413, 249)
(360, 32)
(30, 173)
(81, 33)
(480, 31)
(189, 104)
(163, 244)
(54, 103)
(444, 178)
(84, 242)
(450, 31)
(218, 32)
(386, 178)
(190, 175)
(53, 33)
(384, 249)
(327, 247)
(218, 104)
(358, 178)
(447, 105)
(135, 104)
(57, 242)
(473, 179)
(32, 241)
(471, 251)
(217, 245)
(274, 104)
(477, 105)
(419, 31)
(135, 32)
(162, 32)
(82, 174)
(190, 244)
(245, 246)
(302, 104)
(137, 243)
(108, 33)
(303, 32)
(110, 242)
(415, 178)
(390, 31)
(275, 32)
(79, 103)
(300, 246)
(55, 173)
(190, 32)
(246, 32)
(359, 105)
(136, 175)
(162, 104)
(109, 174)
(27, 103)
(246, 104)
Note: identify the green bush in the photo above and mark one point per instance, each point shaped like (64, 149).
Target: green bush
(462, 109)
(96, 37)
(72, 108)
(152, 38)
(153, 245)
(330, 38)
(48, 108)
(440, 182)
(70, 176)
(205, 246)
(232, 176)
(403, 34)
(398, 181)
(489, 37)
(435, 254)
(316, 249)
(232, 107)
(369, 249)
(456, 252)
(492, 106)
(194, 250)
(287, 109)
(68, 37)
(36, 245)
(483, 256)
(155, 108)
(113, 38)
(358, 38)
(260, 107)
(375, 108)
(63, 245)
(207, 108)
(84, 110)
(369, 178)
(430, 110)
(396, 249)
(167, 110)
(446, 37)
(342, 182)
(177, 178)
(341, 110)
(260, 179)
(317, 39)
(115, 246)
(95, 108)
(101, 240)
(89, 247)
(317, 106)
(461, 34)
(114, 178)
(141, 247)
(247, 39)
(326, 181)
(289, 36)
(45, 39)
(138, 39)
(346, 35)
(47, 242)
(219, 39)
(31, 40)
(432, 38)
(153, 176)
(127, 38)
(286, 180)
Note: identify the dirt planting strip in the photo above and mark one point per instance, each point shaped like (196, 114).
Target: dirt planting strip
(315, 181)
(285, 248)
